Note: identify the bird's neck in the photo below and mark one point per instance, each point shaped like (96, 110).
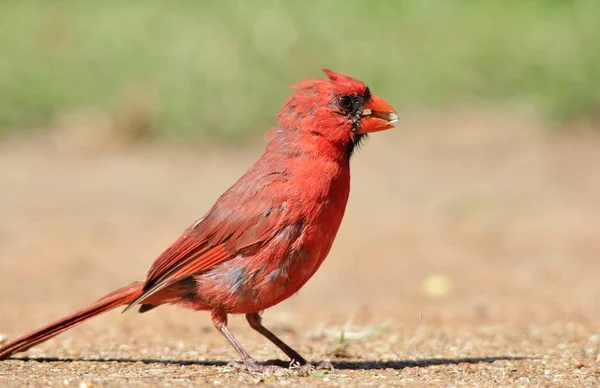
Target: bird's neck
(294, 144)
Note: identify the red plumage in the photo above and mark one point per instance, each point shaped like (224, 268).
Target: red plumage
(268, 234)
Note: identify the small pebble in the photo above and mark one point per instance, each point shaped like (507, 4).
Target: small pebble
(578, 364)
(3, 338)
(436, 286)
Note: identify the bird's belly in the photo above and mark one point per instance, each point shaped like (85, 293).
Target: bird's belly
(253, 282)
(240, 286)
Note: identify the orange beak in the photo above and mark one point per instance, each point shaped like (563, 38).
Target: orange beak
(377, 116)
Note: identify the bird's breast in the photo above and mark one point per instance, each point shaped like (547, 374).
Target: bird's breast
(322, 217)
(255, 281)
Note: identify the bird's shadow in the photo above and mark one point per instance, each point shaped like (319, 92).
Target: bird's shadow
(339, 365)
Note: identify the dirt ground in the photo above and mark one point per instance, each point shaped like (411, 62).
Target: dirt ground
(468, 256)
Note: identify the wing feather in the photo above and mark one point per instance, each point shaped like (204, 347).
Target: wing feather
(225, 232)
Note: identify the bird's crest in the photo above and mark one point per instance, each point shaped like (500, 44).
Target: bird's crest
(332, 75)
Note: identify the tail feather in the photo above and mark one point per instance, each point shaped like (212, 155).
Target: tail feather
(120, 297)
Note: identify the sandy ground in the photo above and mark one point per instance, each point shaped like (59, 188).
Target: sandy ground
(468, 256)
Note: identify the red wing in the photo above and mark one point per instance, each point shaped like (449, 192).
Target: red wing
(224, 233)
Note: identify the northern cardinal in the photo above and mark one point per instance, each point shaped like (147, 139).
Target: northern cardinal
(269, 232)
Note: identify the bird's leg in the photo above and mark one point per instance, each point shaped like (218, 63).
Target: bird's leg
(219, 319)
(255, 321)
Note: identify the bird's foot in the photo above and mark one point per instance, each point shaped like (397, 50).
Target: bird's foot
(252, 366)
(273, 366)
(309, 368)
(323, 365)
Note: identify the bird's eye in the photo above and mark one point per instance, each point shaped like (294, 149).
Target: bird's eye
(346, 103)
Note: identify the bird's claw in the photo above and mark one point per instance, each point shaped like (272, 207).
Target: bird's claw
(252, 366)
(324, 365)
(307, 366)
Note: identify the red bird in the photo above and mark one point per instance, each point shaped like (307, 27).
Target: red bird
(269, 232)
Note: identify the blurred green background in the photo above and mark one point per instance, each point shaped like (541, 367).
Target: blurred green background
(217, 70)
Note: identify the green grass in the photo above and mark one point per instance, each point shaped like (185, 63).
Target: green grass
(218, 69)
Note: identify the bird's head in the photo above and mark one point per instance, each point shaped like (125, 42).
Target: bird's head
(340, 109)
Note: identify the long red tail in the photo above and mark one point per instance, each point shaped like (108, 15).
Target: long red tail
(120, 297)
